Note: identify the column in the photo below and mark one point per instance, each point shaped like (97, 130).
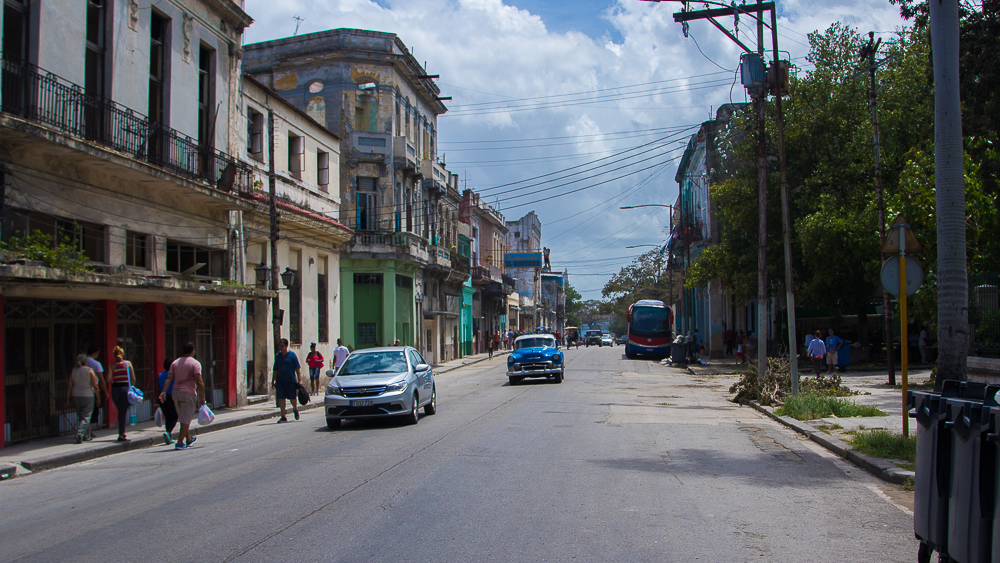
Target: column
(225, 319)
(389, 305)
(3, 385)
(347, 326)
(109, 334)
(156, 321)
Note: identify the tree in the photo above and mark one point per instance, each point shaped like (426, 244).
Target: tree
(573, 305)
(644, 278)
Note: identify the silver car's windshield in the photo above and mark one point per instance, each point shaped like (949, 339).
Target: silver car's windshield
(535, 343)
(373, 362)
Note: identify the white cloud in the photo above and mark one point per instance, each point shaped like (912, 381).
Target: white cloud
(489, 51)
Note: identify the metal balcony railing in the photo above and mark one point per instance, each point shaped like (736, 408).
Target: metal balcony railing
(36, 95)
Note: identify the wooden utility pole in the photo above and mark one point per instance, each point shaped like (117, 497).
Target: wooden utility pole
(869, 51)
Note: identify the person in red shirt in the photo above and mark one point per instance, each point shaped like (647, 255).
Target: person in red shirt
(315, 362)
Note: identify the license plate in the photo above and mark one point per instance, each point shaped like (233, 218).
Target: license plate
(362, 402)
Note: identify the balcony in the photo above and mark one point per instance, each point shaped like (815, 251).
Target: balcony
(384, 244)
(369, 147)
(461, 264)
(486, 273)
(435, 176)
(34, 95)
(404, 154)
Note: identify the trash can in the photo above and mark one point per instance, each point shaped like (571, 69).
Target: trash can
(973, 390)
(970, 515)
(678, 353)
(844, 355)
(932, 481)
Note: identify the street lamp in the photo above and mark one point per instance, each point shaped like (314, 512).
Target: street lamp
(263, 273)
(647, 205)
(288, 277)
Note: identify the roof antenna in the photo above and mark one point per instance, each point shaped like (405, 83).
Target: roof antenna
(298, 22)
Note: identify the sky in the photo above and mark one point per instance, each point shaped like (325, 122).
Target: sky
(573, 108)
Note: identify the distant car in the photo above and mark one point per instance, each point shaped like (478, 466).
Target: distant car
(623, 339)
(592, 337)
(535, 355)
(380, 382)
(606, 340)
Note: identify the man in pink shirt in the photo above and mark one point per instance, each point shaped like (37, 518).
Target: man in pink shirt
(185, 373)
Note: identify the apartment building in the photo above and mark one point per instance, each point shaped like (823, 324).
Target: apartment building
(123, 202)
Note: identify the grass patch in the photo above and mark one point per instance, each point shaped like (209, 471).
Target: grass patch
(908, 484)
(811, 407)
(907, 466)
(882, 443)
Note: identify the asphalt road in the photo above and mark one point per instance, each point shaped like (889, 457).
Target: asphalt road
(626, 461)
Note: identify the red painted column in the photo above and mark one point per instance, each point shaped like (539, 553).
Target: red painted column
(3, 384)
(226, 322)
(109, 332)
(156, 333)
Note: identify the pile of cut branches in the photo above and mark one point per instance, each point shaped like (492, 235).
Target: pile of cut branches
(777, 384)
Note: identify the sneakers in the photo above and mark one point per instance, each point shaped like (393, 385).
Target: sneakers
(167, 440)
(180, 446)
(296, 415)
(282, 419)
(190, 441)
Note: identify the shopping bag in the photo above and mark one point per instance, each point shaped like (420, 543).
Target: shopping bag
(158, 417)
(205, 415)
(134, 396)
(303, 394)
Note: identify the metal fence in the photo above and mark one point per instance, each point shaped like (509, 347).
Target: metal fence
(34, 94)
(984, 314)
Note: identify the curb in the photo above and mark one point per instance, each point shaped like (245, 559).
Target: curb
(104, 450)
(880, 468)
(467, 364)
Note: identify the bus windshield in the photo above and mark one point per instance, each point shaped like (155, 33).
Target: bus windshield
(650, 321)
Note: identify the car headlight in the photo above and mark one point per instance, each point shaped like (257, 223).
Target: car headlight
(333, 389)
(398, 386)
(510, 360)
(557, 358)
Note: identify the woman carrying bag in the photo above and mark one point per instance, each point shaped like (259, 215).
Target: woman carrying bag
(84, 394)
(121, 381)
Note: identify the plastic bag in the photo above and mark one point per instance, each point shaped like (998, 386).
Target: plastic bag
(158, 417)
(134, 395)
(205, 415)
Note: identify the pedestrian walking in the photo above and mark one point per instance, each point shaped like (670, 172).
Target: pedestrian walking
(340, 354)
(751, 346)
(122, 374)
(184, 379)
(167, 407)
(489, 347)
(82, 392)
(816, 350)
(730, 341)
(740, 348)
(286, 375)
(833, 344)
(315, 361)
(102, 398)
(496, 341)
(922, 344)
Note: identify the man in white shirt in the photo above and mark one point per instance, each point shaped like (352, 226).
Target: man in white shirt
(340, 354)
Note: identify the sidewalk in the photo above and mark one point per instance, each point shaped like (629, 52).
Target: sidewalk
(876, 391)
(49, 453)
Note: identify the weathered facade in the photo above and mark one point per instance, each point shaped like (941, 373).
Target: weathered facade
(117, 152)
(304, 169)
(400, 274)
(525, 235)
(488, 241)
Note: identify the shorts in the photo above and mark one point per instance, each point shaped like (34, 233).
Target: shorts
(831, 358)
(186, 404)
(285, 390)
(314, 374)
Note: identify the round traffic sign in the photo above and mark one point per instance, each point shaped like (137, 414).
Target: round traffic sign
(890, 275)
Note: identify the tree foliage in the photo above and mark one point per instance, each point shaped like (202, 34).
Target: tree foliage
(645, 278)
(573, 305)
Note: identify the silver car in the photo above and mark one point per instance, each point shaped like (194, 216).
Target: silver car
(379, 382)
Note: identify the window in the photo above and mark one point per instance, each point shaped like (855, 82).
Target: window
(367, 279)
(135, 249)
(404, 282)
(87, 238)
(322, 316)
(190, 260)
(367, 210)
(323, 170)
(296, 147)
(295, 311)
(158, 51)
(206, 96)
(94, 56)
(255, 130)
(15, 31)
(366, 333)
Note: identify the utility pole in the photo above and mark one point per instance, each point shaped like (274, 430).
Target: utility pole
(759, 98)
(273, 213)
(869, 51)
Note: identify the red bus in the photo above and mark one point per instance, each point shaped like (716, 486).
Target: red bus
(649, 333)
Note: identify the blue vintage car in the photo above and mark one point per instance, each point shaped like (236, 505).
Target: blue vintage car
(535, 355)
